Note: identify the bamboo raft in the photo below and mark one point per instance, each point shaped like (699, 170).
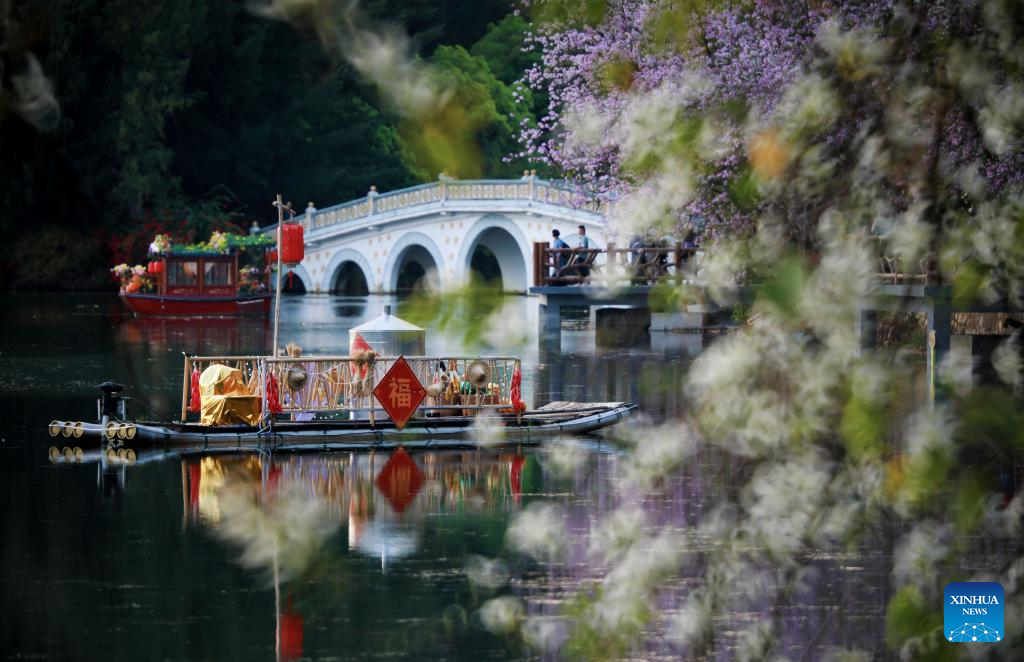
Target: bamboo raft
(327, 402)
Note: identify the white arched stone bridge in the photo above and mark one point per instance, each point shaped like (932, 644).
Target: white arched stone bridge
(442, 232)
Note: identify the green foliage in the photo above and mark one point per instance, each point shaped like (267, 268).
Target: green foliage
(993, 423)
(57, 258)
(785, 286)
(487, 104)
(570, 12)
(740, 313)
(589, 641)
(863, 426)
(502, 49)
(926, 475)
(743, 189)
(910, 615)
(465, 314)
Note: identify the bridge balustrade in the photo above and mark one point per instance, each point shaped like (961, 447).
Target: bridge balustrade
(529, 189)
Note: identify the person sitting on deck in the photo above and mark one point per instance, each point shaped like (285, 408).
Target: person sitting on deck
(561, 259)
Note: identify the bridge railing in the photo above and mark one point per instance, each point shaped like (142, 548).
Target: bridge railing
(446, 190)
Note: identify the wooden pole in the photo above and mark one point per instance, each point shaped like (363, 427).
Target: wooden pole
(184, 389)
(277, 296)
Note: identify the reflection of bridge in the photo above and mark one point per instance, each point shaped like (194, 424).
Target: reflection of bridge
(441, 232)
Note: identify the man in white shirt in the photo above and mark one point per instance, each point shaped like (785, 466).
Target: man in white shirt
(583, 244)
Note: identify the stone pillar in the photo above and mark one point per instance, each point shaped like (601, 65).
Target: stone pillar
(371, 197)
(551, 317)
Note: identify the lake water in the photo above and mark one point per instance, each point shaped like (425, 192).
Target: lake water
(327, 556)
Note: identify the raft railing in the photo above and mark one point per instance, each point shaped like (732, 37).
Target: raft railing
(335, 384)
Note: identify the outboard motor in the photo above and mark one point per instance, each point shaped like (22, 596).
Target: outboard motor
(111, 405)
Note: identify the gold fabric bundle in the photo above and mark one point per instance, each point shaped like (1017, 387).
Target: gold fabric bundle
(225, 398)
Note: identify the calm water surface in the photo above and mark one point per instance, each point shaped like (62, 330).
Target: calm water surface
(322, 556)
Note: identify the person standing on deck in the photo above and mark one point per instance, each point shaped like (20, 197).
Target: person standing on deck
(582, 245)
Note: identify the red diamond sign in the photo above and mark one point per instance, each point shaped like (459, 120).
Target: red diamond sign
(400, 393)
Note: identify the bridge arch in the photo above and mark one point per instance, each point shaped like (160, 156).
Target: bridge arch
(503, 238)
(298, 283)
(343, 261)
(414, 254)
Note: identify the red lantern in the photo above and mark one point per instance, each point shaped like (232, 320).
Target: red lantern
(272, 257)
(158, 267)
(292, 245)
(150, 268)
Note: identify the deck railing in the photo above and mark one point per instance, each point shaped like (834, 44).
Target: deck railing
(613, 266)
(647, 265)
(310, 385)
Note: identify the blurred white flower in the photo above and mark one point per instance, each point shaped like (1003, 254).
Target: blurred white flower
(691, 623)
(720, 271)
(285, 530)
(911, 235)
(565, 456)
(34, 99)
(918, 553)
(502, 615)
(544, 634)
(627, 588)
(488, 429)
(811, 104)
(489, 574)
(586, 127)
(617, 532)
(930, 430)
(782, 499)
(537, 531)
(756, 641)
(956, 371)
(658, 451)
(1006, 359)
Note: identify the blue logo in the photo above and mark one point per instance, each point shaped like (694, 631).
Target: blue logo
(973, 612)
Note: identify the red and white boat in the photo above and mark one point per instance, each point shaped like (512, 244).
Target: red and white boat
(204, 279)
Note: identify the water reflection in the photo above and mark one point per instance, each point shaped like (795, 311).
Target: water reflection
(301, 519)
(382, 499)
(215, 335)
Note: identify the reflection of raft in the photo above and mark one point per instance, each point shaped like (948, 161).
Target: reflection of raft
(552, 420)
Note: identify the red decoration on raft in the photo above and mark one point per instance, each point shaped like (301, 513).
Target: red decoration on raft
(358, 344)
(155, 267)
(195, 404)
(400, 392)
(273, 400)
(515, 393)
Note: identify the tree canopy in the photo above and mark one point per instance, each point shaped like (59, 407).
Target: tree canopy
(121, 119)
